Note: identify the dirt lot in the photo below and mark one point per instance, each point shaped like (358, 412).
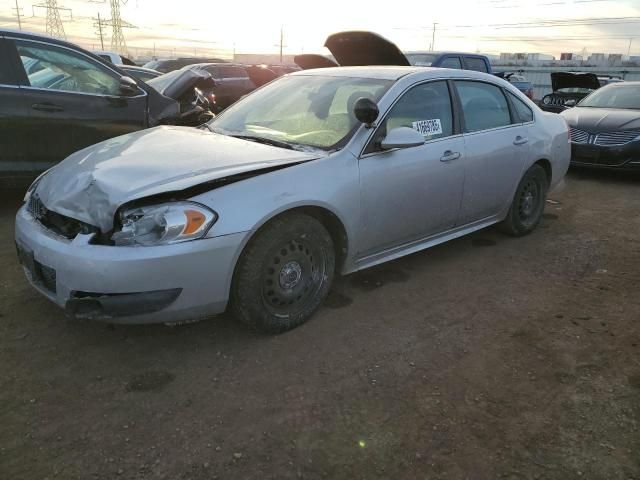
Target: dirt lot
(489, 357)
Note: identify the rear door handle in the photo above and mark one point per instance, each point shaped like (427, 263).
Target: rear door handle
(449, 155)
(520, 140)
(47, 107)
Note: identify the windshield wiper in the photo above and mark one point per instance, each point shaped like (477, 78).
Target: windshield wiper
(266, 141)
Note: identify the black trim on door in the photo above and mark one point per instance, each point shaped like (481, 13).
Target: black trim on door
(9, 55)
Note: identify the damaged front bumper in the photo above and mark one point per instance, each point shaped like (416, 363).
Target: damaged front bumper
(163, 284)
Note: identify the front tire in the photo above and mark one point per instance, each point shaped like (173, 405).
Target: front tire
(284, 274)
(528, 203)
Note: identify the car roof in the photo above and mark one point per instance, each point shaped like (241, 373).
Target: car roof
(395, 73)
(36, 36)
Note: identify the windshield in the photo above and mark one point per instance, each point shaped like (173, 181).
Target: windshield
(421, 59)
(614, 96)
(315, 111)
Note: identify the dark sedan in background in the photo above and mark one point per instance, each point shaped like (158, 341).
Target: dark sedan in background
(605, 127)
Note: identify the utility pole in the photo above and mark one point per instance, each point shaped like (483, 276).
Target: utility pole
(19, 15)
(629, 49)
(100, 34)
(281, 45)
(433, 36)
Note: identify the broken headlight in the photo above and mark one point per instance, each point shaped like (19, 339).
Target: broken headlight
(163, 224)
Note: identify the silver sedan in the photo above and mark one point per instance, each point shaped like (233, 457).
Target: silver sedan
(320, 172)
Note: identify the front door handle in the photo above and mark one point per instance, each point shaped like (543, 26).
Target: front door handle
(449, 155)
(47, 107)
(520, 140)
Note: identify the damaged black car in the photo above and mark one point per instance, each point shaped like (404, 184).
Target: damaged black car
(57, 98)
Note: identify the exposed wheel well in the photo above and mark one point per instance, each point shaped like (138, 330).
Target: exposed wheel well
(544, 163)
(330, 221)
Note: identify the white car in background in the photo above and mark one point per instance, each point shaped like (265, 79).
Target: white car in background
(114, 58)
(319, 172)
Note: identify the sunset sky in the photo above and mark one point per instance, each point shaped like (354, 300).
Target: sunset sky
(251, 26)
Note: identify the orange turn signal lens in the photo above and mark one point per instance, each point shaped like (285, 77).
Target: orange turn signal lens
(195, 220)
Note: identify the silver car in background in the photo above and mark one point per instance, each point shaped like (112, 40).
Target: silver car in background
(319, 172)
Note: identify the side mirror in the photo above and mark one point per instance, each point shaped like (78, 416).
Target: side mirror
(570, 103)
(366, 111)
(128, 87)
(402, 137)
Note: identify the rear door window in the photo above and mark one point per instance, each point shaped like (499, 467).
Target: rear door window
(451, 62)
(475, 63)
(523, 113)
(484, 106)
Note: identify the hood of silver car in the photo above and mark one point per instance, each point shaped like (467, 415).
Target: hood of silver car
(91, 184)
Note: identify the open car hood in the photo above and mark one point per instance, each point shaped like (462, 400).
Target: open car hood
(93, 183)
(574, 80)
(178, 83)
(308, 61)
(359, 48)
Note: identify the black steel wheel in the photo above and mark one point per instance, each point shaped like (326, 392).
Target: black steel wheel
(284, 274)
(528, 203)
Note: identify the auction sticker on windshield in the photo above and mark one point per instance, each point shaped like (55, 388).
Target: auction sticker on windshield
(428, 127)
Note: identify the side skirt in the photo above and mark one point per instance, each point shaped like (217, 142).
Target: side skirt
(421, 244)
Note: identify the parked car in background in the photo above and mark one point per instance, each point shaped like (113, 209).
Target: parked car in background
(358, 48)
(281, 70)
(169, 65)
(519, 81)
(140, 73)
(114, 58)
(568, 89)
(57, 98)
(605, 127)
(457, 60)
(230, 81)
(608, 80)
(318, 173)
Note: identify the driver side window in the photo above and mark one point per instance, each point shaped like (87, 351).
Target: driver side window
(52, 68)
(425, 108)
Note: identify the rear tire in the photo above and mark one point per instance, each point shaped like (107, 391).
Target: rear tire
(528, 203)
(284, 274)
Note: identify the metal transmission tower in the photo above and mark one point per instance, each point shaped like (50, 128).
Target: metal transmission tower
(54, 20)
(118, 42)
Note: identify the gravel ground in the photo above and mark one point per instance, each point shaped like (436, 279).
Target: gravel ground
(488, 357)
